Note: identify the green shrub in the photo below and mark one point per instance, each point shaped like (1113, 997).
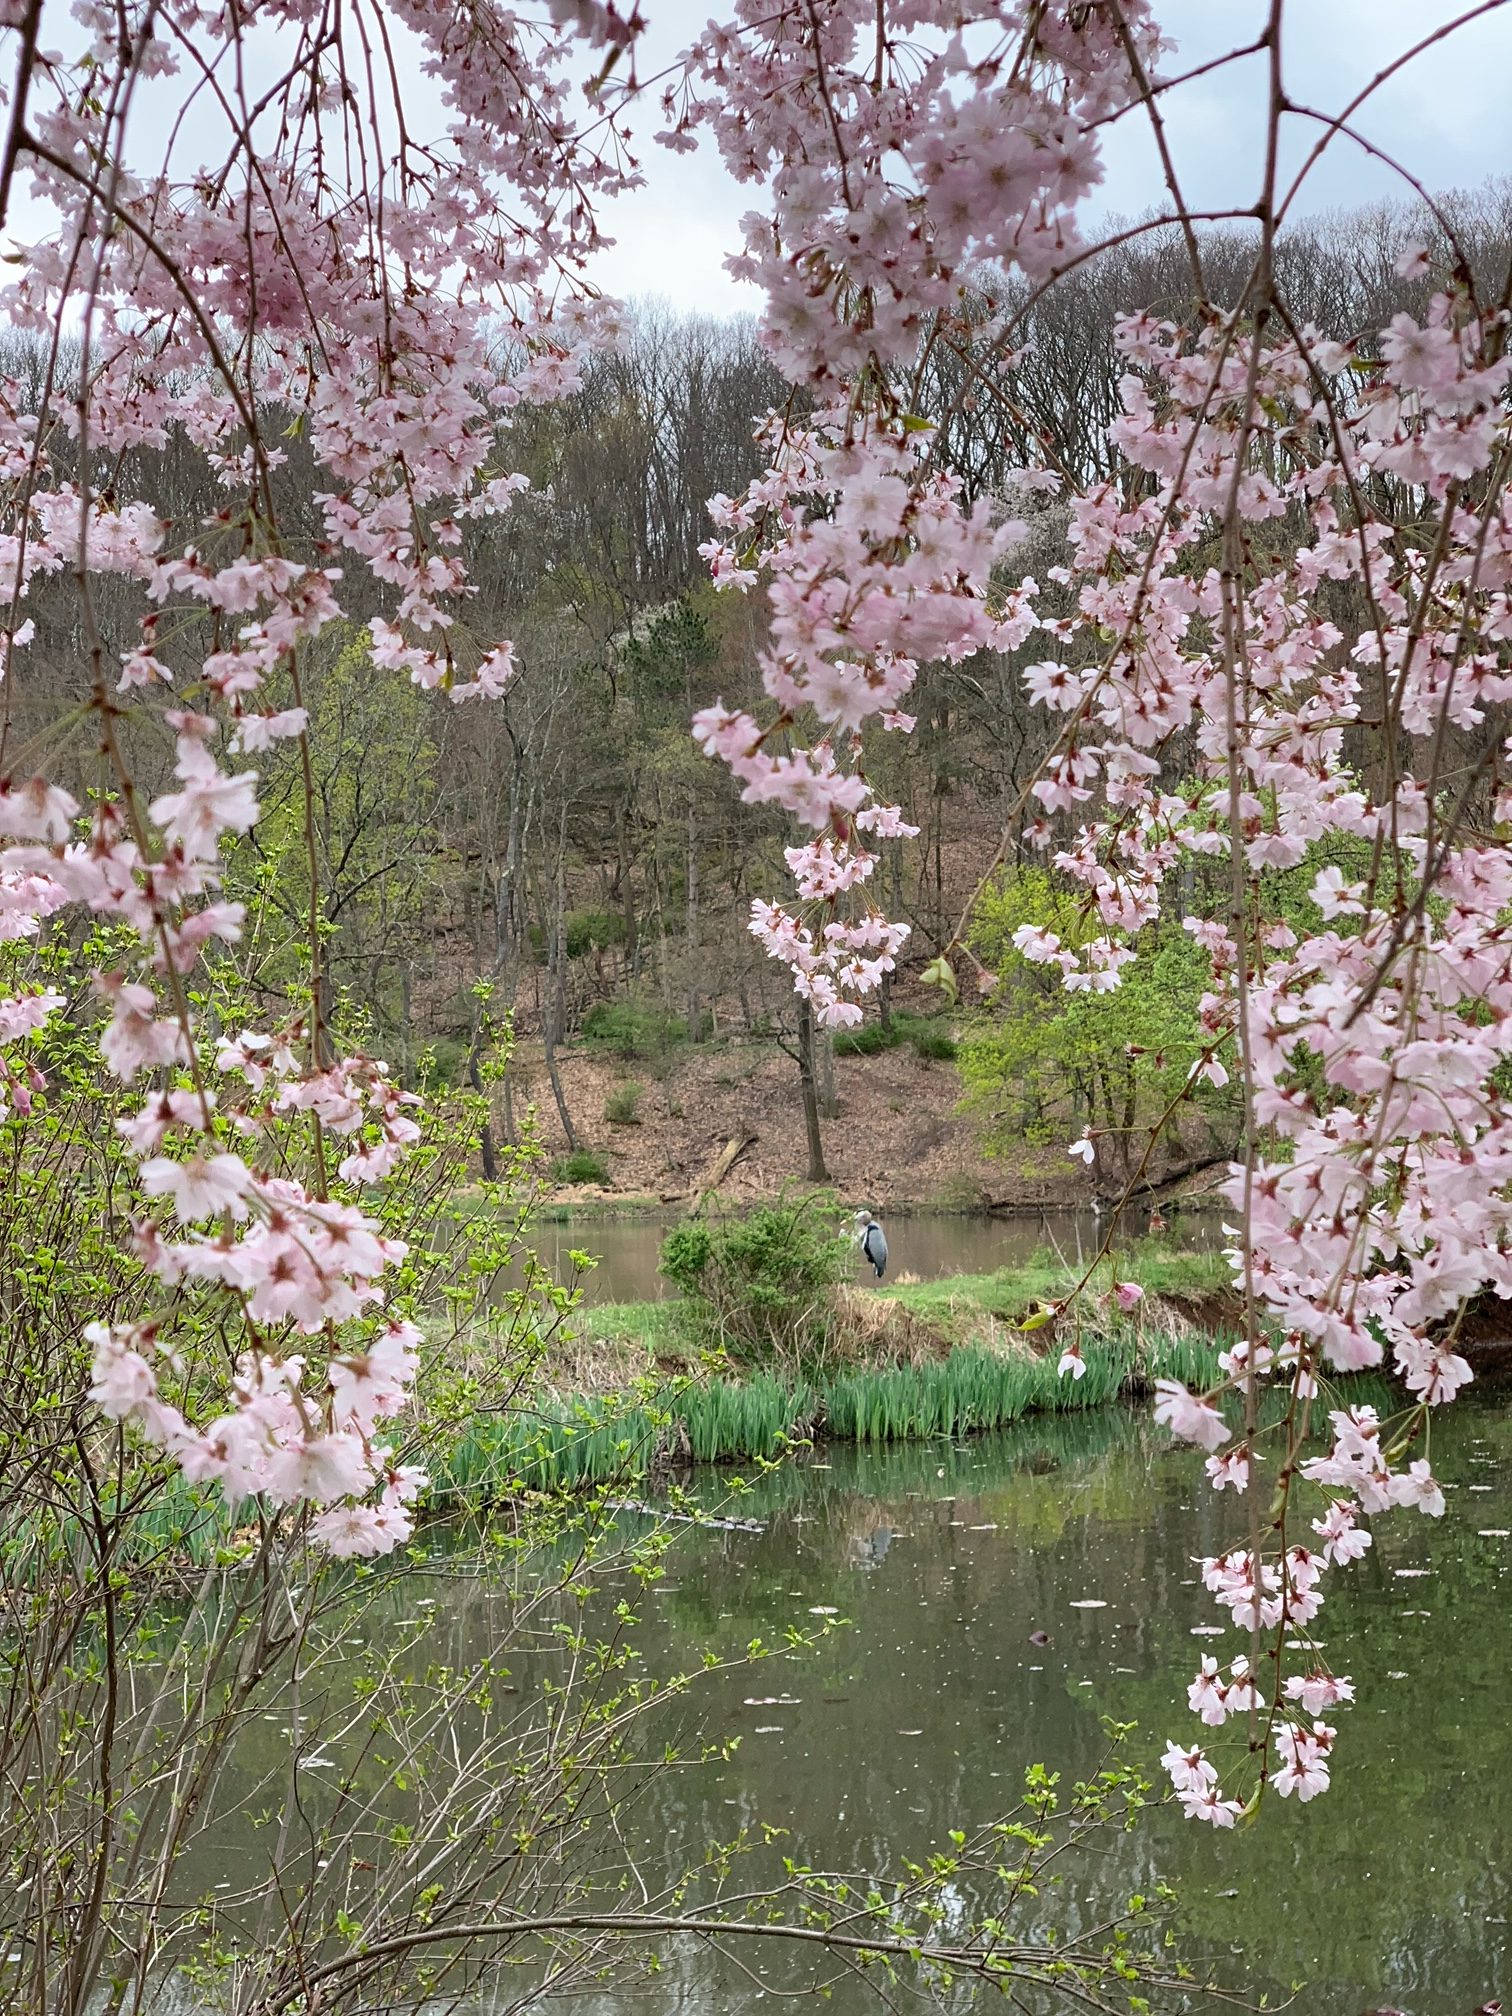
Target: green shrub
(583, 1165)
(622, 1107)
(686, 1253)
(869, 1040)
(444, 1063)
(929, 1034)
(632, 1028)
(759, 1285)
(591, 931)
(935, 1045)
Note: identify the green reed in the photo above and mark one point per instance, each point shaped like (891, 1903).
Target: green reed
(561, 1445)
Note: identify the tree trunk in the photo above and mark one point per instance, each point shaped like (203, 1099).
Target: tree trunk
(506, 897)
(506, 935)
(817, 1173)
(824, 1074)
(627, 894)
(485, 1127)
(695, 1016)
(552, 1011)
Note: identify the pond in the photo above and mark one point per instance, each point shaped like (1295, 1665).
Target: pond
(926, 1247)
(1395, 1888)
(943, 1563)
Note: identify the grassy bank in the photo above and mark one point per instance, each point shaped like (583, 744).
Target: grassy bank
(621, 1440)
(909, 1361)
(987, 1310)
(1180, 1287)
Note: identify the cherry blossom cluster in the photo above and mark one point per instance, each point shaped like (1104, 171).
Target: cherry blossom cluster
(892, 159)
(1308, 541)
(1370, 1048)
(218, 1217)
(335, 271)
(899, 144)
(873, 564)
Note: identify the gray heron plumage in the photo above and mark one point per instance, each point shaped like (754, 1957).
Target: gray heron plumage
(873, 1242)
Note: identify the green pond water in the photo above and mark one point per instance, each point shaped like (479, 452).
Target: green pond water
(1394, 1890)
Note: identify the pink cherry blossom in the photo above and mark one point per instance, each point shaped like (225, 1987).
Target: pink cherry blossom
(1205, 1695)
(1342, 1539)
(138, 1038)
(1186, 1769)
(1416, 1486)
(1230, 1471)
(123, 1378)
(1318, 1691)
(201, 1187)
(1187, 1417)
(375, 1382)
(1304, 1760)
(36, 810)
(353, 1532)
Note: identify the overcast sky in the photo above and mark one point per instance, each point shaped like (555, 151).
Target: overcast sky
(1446, 117)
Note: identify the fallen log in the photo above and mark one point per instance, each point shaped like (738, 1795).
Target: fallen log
(737, 1145)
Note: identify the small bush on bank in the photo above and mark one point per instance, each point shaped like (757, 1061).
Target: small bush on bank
(935, 1045)
(759, 1286)
(583, 1165)
(622, 1106)
(869, 1039)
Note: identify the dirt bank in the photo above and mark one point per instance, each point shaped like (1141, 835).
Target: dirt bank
(896, 1139)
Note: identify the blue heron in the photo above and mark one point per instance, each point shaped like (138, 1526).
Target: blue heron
(872, 1240)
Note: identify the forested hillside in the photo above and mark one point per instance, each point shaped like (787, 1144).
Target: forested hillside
(565, 863)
